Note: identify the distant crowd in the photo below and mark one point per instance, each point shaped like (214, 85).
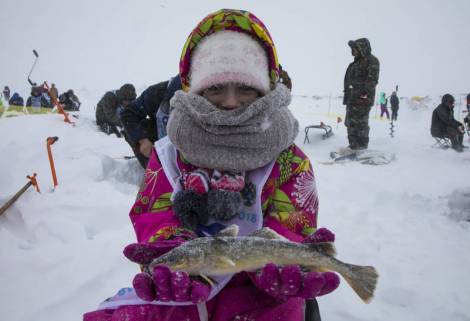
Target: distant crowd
(43, 97)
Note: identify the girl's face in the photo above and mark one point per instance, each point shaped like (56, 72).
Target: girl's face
(230, 96)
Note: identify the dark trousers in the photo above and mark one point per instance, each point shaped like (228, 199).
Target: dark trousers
(394, 113)
(109, 128)
(456, 137)
(312, 312)
(384, 110)
(357, 123)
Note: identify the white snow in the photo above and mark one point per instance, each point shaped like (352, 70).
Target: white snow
(61, 251)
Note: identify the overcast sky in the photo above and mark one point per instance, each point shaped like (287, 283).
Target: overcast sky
(423, 45)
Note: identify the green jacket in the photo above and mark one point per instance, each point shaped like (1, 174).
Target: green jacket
(383, 100)
(362, 75)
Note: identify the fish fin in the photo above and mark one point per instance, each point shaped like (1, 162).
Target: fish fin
(229, 231)
(207, 279)
(268, 233)
(327, 248)
(363, 280)
(224, 261)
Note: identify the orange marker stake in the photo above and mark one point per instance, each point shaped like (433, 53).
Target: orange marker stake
(50, 141)
(57, 104)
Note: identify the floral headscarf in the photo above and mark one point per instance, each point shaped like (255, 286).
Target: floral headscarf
(229, 19)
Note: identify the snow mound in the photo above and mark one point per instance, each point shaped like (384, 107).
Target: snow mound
(459, 204)
(126, 171)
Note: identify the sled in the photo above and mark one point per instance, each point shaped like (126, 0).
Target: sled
(364, 156)
(327, 128)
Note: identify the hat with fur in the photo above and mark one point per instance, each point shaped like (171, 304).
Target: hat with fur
(126, 92)
(447, 99)
(229, 46)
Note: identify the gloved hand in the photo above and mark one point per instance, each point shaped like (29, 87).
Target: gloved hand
(169, 286)
(290, 281)
(163, 285)
(363, 98)
(320, 236)
(144, 253)
(145, 147)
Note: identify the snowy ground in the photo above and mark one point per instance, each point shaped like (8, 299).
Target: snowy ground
(61, 251)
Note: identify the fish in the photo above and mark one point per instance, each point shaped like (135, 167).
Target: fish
(228, 253)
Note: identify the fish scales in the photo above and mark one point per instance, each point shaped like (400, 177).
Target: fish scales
(227, 253)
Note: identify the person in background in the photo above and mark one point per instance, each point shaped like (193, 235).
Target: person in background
(37, 99)
(145, 119)
(468, 103)
(45, 95)
(284, 78)
(395, 104)
(70, 101)
(110, 106)
(444, 125)
(383, 101)
(360, 81)
(6, 93)
(466, 119)
(16, 100)
(54, 93)
(219, 164)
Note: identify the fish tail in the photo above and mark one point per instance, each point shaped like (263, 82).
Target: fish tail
(363, 280)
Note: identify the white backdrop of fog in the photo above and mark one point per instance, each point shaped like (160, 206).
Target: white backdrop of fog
(423, 45)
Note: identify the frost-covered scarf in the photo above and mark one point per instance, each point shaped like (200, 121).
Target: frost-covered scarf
(237, 140)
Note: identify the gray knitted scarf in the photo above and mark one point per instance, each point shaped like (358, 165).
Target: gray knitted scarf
(236, 140)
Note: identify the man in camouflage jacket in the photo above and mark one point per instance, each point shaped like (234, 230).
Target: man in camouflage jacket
(360, 81)
(110, 106)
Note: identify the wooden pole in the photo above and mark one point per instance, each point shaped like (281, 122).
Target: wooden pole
(15, 197)
(32, 181)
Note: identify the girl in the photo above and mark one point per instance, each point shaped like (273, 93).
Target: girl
(229, 158)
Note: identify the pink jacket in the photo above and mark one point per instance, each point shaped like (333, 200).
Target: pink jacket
(289, 205)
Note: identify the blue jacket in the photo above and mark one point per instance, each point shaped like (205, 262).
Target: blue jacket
(16, 100)
(37, 101)
(153, 103)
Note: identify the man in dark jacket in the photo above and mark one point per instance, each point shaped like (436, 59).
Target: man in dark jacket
(444, 125)
(360, 81)
(70, 101)
(16, 100)
(145, 118)
(394, 102)
(110, 106)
